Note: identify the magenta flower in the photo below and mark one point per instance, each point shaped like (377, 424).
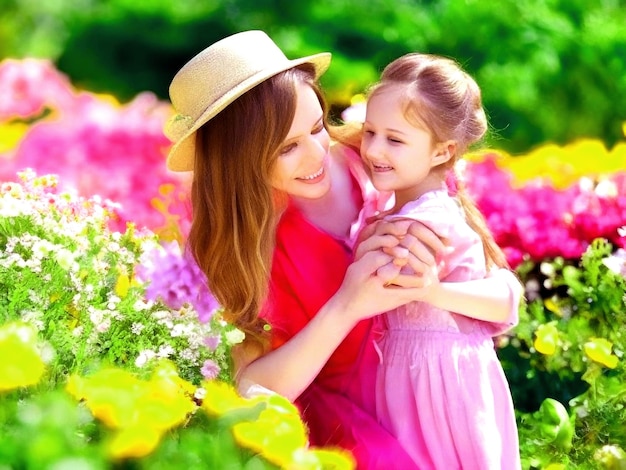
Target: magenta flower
(538, 221)
(29, 86)
(96, 146)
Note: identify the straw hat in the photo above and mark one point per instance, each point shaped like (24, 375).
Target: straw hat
(217, 76)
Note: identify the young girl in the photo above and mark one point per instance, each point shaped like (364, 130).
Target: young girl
(440, 386)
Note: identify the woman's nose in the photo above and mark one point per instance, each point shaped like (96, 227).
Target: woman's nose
(317, 146)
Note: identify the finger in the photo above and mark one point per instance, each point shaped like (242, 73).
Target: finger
(419, 250)
(367, 231)
(412, 281)
(375, 242)
(370, 262)
(427, 237)
(388, 272)
(396, 227)
(397, 251)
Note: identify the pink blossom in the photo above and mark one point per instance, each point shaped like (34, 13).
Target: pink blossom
(210, 369)
(29, 86)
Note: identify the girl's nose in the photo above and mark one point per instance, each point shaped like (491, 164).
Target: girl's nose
(370, 148)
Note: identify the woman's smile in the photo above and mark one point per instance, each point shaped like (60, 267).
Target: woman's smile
(313, 178)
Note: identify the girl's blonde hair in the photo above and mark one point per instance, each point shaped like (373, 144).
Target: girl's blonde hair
(235, 208)
(442, 98)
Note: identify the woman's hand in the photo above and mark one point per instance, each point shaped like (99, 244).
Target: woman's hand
(411, 244)
(364, 293)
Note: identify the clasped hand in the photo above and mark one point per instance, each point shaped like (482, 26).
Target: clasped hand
(395, 263)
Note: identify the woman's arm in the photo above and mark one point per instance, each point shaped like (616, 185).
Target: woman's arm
(289, 369)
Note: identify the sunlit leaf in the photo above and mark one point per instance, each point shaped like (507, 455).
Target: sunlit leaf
(546, 339)
(21, 363)
(599, 350)
(134, 442)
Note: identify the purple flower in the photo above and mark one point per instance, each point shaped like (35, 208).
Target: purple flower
(210, 369)
(175, 279)
(212, 342)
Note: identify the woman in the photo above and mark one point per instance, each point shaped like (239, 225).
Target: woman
(274, 206)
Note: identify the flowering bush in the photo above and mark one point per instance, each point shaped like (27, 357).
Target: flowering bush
(93, 143)
(123, 316)
(537, 221)
(569, 347)
(65, 272)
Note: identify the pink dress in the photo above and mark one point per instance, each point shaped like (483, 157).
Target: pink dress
(440, 387)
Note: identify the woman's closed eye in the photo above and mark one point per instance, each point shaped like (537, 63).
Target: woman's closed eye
(288, 148)
(317, 129)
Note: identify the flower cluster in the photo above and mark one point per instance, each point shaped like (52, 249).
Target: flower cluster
(537, 221)
(95, 145)
(65, 272)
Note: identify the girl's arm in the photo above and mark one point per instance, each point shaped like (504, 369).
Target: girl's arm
(495, 298)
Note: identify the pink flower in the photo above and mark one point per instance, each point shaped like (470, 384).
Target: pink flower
(29, 86)
(210, 369)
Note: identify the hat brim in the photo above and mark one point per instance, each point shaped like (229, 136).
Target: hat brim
(181, 156)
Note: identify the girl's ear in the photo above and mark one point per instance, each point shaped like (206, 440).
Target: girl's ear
(444, 152)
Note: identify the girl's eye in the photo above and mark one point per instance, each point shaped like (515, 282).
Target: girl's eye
(394, 141)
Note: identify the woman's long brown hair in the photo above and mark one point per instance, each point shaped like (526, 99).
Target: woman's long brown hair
(235, 210)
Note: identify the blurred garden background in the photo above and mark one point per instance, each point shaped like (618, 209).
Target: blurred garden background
(99, 305)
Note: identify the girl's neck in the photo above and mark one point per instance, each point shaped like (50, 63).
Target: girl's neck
(413, 194)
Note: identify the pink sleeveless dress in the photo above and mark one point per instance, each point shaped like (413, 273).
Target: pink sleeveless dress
(440, 389)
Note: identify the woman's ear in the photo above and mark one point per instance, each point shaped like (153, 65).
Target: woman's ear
(444, 152)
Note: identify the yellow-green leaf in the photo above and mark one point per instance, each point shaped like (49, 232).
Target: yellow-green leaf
(134, 442)
(546, 339)
(122, 285)
(21, 364)
(599, 350)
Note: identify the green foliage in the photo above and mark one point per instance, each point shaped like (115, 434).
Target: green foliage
(550, 70)
(112, 418)
(570, 339)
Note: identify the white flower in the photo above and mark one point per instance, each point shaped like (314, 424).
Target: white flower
(65, 258)
(137, 328)
(616, 262)
(179, 330)
(144, 357)
(165, 351)
(104, 325)
(96, 316)
(606, 188)
(141, 305)
(235, 336)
